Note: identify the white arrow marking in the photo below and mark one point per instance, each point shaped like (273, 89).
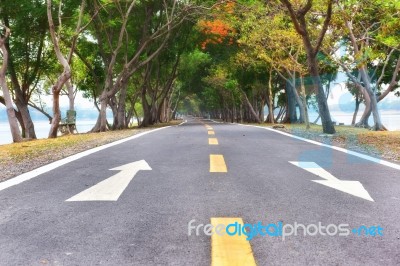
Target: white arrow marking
(111, 188)
(354, 188)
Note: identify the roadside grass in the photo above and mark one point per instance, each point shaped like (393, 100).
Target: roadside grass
(33, 148)
(17, 158)
(388, 142)
(376, 143)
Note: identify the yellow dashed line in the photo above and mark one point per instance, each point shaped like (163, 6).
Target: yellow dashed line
(211, 132)
(217, 164)
(230, 250)
(208, 127)
(213, 141)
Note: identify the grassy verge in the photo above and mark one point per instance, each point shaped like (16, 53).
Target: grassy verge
(385, 144)
(18, 158)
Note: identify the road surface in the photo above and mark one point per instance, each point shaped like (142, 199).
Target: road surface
(141, 211)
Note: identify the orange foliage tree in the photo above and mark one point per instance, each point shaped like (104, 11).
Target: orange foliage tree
(217, 30)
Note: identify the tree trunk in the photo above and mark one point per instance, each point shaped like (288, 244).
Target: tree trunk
(300, 24)
(20, 121)
(300, 103)
(62, 79)
(326, 120)
(120, 123)
(56, 114)
(298, 100)
(270, 99)
(71, 99)
(129, 117)
(251, 109)
(12, 119)
(261, 108)
(146, 121)
(163, 111)
(285, 114)
(96, 127)
(280, 113)
(26, 118)
(103, 114)
(137, 116)
(304, 102)
(368, 98)
(71, 96)
(147, 112)
(22, 94)
(375, 113)
(353, 122)
(373, 102)
(367, 86)
(291, 104)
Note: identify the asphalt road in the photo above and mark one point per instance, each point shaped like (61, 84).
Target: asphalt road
(148, 223)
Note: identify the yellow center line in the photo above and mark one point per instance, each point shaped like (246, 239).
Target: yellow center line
(212, 141)
(230, 250)
(217, 164)
(211, 132)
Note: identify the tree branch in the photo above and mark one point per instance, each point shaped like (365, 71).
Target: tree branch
(324, 28)
(384, 68)
(34, 106)
(303, 11)
(293, 16)
(393, 83)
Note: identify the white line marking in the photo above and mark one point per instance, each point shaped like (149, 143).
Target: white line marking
(111, 188)
(354, 188)
(46, 168)
(182, 123)
(353, 153)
